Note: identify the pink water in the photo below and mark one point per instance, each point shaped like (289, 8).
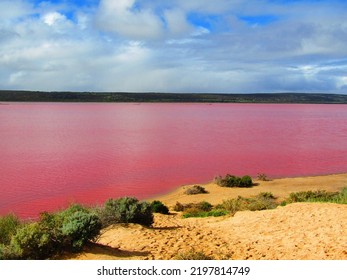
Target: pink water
(53, 154)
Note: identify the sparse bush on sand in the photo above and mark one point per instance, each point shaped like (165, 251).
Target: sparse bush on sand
(260, 202)
(262, 177)
(231, 181)
(159, 207)
(201, 210)
(53, 233)
(318, 196)
(196, 189)
(126, 210)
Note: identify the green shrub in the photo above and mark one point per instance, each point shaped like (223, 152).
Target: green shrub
(235, 204)
(262, 204)
(268, 195)
(196, 213)
(201, 210)
(8, 227)
(159, 207)
(318, 196)
(253, 204)
(127, 210)
(79, 226)
(9, 252)
(179, 207)
(203, 206)
(341, 197)
(33, 242)
(246, 182)
(68, 230)
(196, 189)
(231, 181)
(306, 196)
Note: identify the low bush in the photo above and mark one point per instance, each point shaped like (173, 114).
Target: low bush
(262, 177)
(179, 207)
(78, 227)
(231, 181)
(201, 206)
(8, 227)
(126, 210)
(305, 196)
(196, 213)
(196, 189)
(318, 196)
(159, 207)
(201, 210)
(54, 233)
(341, 197)
(260, 202)
(268, 195)
(32, 242)
(9, 252)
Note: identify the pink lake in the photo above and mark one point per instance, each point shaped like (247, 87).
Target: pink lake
(53, 154)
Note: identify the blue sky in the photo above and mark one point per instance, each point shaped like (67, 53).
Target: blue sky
(235, 46)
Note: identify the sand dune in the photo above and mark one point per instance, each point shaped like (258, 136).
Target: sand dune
(301, 231)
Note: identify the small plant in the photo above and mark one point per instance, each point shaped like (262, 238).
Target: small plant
(32, 242)
(179, 207)
(262, 201)
(196, 189)
(201, 210)
(127, 210)
(267, 195)
(262, 177)
(203, 206)
(196, 213)
(235, 204)
(54, 233)
(79, 226)
(193, 255)
(306, 196)
(8, 227)
(246, 182)
(318, 196)
(9, 252)
(231, 181)
(159, 207)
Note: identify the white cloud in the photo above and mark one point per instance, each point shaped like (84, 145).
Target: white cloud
(177, 23)
(53, 18)
(119, 17)
(154, 45)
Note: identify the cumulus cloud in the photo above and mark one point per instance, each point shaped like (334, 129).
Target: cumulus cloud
(174, 45)
(121, 17)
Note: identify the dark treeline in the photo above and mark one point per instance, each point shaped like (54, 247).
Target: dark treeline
(40, 96)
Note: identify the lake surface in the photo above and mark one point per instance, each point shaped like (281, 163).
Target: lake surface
(53, 154)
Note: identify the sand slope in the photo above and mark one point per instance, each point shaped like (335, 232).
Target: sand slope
(297, 231)
(300, 231)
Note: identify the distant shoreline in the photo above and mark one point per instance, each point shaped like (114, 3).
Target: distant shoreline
(158, 97)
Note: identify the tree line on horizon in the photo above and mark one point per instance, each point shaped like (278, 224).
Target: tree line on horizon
(70, 96)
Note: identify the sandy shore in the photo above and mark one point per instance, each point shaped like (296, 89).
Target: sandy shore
(301, 231)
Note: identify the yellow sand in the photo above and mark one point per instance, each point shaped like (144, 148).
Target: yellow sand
(299, 231)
